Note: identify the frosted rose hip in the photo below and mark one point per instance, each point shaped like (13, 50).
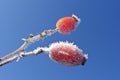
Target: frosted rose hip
(66, 25)
(67, 54)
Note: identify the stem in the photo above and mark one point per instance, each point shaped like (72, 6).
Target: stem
(18, 53)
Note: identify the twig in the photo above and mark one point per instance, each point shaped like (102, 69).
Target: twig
(15, 55)
(36, 51)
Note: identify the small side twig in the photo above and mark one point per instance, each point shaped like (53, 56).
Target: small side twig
(37, 51)
(17, 53)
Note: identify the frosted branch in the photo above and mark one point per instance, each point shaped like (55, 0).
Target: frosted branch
(15, 55)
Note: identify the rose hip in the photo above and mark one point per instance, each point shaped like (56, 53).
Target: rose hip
(67, 54)
(66, 25)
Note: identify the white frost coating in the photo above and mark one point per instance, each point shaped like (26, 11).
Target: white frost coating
(86, 56)
(64, 44)
(44, 49)
(77, 19)
(36, 50)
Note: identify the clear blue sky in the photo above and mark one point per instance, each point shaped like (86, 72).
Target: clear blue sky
(98, 35)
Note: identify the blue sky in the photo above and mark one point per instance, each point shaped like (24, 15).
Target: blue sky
(97, 35)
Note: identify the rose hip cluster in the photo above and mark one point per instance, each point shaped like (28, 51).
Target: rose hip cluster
(64, 52)
(61, 52)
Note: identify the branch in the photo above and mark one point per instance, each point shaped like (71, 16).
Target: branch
(15, 55)
(36, 51)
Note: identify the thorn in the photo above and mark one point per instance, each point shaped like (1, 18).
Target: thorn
(43, 34)
(31, 35)
(22, 54)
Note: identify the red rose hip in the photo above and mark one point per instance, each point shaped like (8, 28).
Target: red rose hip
(66, 25)
(67, 54)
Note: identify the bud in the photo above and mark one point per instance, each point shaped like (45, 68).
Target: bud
(66, 25)
(66, 53)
